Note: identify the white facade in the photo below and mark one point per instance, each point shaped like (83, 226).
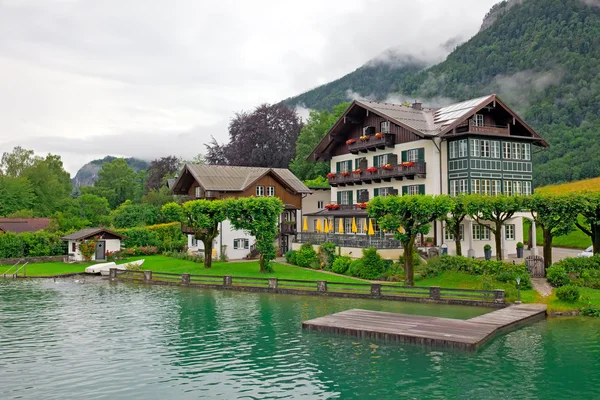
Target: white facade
(110, 245)
(312, 203)
(236, 242)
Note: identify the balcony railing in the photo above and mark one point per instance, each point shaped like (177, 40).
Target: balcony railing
(288, 229)
(503, 130)
(374, 143)
(350, 240)
(397, 172)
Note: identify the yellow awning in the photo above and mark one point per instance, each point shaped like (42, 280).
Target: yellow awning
(341, 227)
(371, 230)
(305, 225)
(354, 229)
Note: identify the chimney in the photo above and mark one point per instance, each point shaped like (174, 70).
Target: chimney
(417, 106)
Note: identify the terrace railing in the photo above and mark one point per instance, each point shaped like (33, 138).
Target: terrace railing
(397, 172)
(339, 289)
(374, 143)
(361, 241)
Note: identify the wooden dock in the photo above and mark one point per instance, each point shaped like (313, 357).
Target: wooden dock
(430, 331)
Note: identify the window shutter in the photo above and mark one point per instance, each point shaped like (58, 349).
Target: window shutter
(421, 154)
(350, 200)
(393, 159)
(339, 197)
(358, 194)
(376, 192)
(338, 167)
(404, 156)
(376, 161)
(356, 162)
(404, 190)
(421, 189)
(349, 165)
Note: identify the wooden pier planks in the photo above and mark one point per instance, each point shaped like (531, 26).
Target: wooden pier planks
(447, 332)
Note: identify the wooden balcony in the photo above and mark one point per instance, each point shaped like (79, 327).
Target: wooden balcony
(373, 144)
(288, 228)
(397, 172)
(495, 130)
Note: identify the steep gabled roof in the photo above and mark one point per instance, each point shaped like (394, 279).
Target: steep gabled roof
(20, 225)
(225, 178)
(91, 232)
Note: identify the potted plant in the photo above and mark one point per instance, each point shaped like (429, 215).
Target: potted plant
(331, 175)
(429, 241)
(379, 135)
(487, 249)
(350, 141)
(520, 250)
(364, 138)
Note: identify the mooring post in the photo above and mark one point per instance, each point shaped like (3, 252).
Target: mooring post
(375, 289)
(227, 281)
(434, 292)
(272, 283)
(147, 276)
(112, 274)
(185, 279)
(321, 286)
(498, 296)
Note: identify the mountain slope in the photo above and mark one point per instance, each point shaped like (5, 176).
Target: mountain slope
(87, 175)
(542, 57)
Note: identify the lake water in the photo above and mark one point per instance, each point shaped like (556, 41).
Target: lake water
(97, 340)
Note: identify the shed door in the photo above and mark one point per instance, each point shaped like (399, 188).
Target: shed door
(100, 250)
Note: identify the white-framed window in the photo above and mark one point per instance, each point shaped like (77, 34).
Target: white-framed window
(270, 191)
(450, 236)
(348, 225)
(385, 191)
(495, 146)
(412, 155)
(475, 147)
(453, 149)
(345, 197)
(385, 127)
(413, 190)
(478, 120)
(508, 188)
(526, 151)
(481, 232)
(517, 188)
(383, 159)
(507, 151)
(509, 232)
(496, 188)
(320, 205)
(490, 187)
(198, 192)
(526, 191)
(485, 148)
(462, 148)
(260, 191)
(516, 151)
(241, 244)
(459, 186)
(194, 242)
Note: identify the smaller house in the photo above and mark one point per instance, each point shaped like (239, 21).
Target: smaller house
(106, 241)
(21, 225)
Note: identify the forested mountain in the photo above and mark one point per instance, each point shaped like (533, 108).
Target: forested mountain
(87, 175)
(541, 56)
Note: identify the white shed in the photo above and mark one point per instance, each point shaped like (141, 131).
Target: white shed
(106, 241)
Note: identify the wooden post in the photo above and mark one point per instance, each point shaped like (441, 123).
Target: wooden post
(321, 286)
(147, 276)
(112, 274)
(434, 293)
(185, 279)
(227, 281)
(272, 283)
(375, 289)
(498, 296)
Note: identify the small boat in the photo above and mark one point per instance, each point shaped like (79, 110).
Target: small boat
(122, 267)
(98, 268)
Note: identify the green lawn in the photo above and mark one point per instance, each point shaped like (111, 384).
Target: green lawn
(166, 264)
(574, 240)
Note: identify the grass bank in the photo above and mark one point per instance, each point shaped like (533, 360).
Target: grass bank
(574, 240)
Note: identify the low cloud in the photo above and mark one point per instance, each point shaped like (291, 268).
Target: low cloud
(595, 3)
(399, 98)
(302, 111)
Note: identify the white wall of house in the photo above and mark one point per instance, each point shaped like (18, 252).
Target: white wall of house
(313, 203)
(110, 245)
(227, 235)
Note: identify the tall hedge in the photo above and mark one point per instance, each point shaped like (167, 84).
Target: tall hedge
(167, 237)
(28, 244)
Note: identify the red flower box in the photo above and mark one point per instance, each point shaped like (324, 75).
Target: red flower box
(332, 207)
(379, 135)
(372, 170)
(408, 164)
(389, 167)
(350, 141)
(364, 138)
(331, 175)
(345, 173)
(357, 171)
(362, 206)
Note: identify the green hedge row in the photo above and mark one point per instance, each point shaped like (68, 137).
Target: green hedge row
(36, 244)
(167, 237)
(579, 271)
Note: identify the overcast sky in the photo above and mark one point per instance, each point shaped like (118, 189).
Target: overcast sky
(147, 78)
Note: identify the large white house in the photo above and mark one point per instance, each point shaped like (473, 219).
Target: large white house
(380, 149)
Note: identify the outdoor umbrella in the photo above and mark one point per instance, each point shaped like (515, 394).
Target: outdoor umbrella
(326, 228)
(365, 226)
(341, 230)
(354, 229)
(371, 231)
(305, 225)
(318, 228)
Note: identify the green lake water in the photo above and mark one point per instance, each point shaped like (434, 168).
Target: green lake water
(97, 340)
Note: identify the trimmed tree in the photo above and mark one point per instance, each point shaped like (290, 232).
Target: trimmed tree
(555, 215)
(455, 218)
(591, 213)
(259, 216)
(407, 217)
(495, 209)
(204, 217)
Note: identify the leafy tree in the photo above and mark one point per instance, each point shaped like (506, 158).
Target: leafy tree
(159, 170)
(159, 197)
(129, 215)
(318, 182)
(15, 194)
(495, 209)
(93, 208)
(172, 212)
(260, 217)
(413, 216)
(317, 126)
(50, 182)
(13, 164)
(454, 219)
(203, 217)
(555, 214)
(117, 182)
(265, 137)
(591, 214)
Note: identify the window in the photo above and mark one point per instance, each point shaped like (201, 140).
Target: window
(74, 247)
(478, 120)
(379, 161)
(320, 205)
(495, 146)
(385, 192)
(270, 191)
(509, 232)
(385, 127)
(348, 225)
(526, 151)
(241, 244)
(516, 151)
(194, 242)
(450, 236)
(198, 192)
(260, 191)
(526, 188)
(462, 148)
(459, 186)
(507, 152)
(413, 155)
(344, 166)
(485, 148)
(475, 149)
(490, 187)
(346, 197)
(481, 232)
(453, 149)
(413, 189)
(508, 188)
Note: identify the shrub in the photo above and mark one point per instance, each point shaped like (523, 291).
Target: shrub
(579, 264)
(568, 293)
(557, 276)
(327, 254)
(167, 237)
(290, 257)
(185, 256)
(590, 311)
(29, 244)
(341, 264)
(87, 248)
(355, 267)
(372, 265)
(306, 255)
(487, 247)
(520, 245)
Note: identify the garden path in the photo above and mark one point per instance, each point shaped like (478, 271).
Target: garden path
(541, 286)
